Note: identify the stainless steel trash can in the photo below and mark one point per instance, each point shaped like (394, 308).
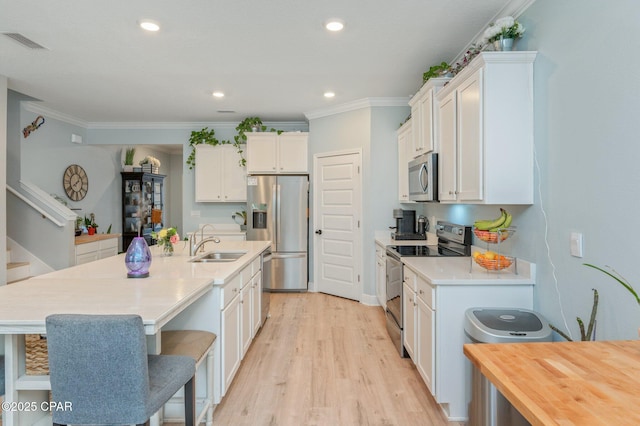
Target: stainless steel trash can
(499, 325)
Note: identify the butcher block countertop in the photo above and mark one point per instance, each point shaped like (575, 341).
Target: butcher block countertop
(85, 238)
(566, 383)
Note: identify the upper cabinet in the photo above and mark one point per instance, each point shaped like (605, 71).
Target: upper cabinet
(270, 153)
(423, 118)
(405, 147)
(485, 131)
(219, 175)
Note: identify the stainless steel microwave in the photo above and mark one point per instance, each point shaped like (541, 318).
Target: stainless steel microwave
(423, 178)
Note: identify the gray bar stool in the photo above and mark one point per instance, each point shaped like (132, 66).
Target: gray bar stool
(199, 346)
(100, 365)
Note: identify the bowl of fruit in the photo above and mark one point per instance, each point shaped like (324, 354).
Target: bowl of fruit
(494, 230)
(492, 261)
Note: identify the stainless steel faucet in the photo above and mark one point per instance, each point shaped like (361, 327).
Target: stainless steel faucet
(193, 246)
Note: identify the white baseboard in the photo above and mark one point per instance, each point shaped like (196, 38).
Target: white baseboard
(369, 300)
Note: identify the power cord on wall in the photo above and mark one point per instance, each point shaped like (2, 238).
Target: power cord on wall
(546, 242)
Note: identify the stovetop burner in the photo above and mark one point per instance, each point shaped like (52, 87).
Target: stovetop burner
(424, 251)
(453, 240)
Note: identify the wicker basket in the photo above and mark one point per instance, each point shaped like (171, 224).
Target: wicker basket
(37, 357)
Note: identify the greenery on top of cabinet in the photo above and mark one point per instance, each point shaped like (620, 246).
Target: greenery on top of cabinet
(206, 136)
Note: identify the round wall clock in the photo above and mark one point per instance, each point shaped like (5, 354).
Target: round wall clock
(75, 182)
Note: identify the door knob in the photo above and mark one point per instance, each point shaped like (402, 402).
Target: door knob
(319, 232)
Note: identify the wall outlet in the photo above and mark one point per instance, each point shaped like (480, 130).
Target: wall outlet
(195, 213)
(576, 244)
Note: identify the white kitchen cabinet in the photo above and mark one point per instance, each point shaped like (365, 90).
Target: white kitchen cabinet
(485, 128)
(381, 275)
(405, 146)
(437, 330)
(409, 306)
(423, 119)
(425, 333)
(95, 250)
(219, 177)
(247, 312)
(231, 317)
(256, 302)
(270, 153)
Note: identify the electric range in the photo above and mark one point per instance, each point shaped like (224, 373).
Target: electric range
(453, 240)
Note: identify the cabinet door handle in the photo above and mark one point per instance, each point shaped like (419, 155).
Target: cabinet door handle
(421, 292)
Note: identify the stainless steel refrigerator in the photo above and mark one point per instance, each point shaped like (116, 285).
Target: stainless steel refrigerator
(278, 211)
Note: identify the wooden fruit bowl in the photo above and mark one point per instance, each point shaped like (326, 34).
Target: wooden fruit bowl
(492, 237)
(500, 262)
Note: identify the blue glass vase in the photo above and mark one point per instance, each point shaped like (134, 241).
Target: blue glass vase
(138, 258)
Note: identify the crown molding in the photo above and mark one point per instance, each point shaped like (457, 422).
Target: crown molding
(513, 8)
(358, 104)
(34, 107)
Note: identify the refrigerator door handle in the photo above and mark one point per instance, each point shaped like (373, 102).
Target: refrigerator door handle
(279, 207)
(287, 256)
(274, 212)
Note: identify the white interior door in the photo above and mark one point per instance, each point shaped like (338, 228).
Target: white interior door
(337, 215)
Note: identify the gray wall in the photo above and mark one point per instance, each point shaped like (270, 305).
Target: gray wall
(373, 131)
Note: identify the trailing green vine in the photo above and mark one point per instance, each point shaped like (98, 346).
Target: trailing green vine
(206, 136)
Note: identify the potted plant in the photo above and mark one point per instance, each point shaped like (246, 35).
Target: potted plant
(204, 136)
(440, 70)
(90, 224)
(240, 215)
(503, 32)
(150, 164)
(128, 159)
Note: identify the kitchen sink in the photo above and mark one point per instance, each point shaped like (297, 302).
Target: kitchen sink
(218, 256)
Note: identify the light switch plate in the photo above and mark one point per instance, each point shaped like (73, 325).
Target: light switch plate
(576, 244)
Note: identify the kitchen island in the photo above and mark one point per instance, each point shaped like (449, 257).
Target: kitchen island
(565, 383)
(178, 294)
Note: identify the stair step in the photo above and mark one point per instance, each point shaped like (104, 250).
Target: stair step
(18, 271)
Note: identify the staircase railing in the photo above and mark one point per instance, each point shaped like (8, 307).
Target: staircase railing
(34, 206)
(41, 224)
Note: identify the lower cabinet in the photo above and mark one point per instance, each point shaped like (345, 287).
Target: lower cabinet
(95, 250)
(434, 331)
(424, 359)
(256, 302)
(241, 300)
(231, 334)
(381, 275)
(409, 307)
(247, 312)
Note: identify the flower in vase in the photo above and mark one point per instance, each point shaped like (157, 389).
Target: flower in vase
(166, 238)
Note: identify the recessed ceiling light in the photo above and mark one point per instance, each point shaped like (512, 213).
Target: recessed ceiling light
(334, 24)
(149, 25)
(329, 94)
(218, 94)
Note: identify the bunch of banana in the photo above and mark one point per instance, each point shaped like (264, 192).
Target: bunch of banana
(493, 225)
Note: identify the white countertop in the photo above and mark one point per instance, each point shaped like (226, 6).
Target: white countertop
(171, 267)
(460, 271)
(102, 287)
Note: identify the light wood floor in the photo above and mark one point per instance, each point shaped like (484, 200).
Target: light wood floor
(324, 360)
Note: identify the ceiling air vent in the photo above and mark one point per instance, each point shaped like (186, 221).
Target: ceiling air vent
(24, 41)
(225, 111)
